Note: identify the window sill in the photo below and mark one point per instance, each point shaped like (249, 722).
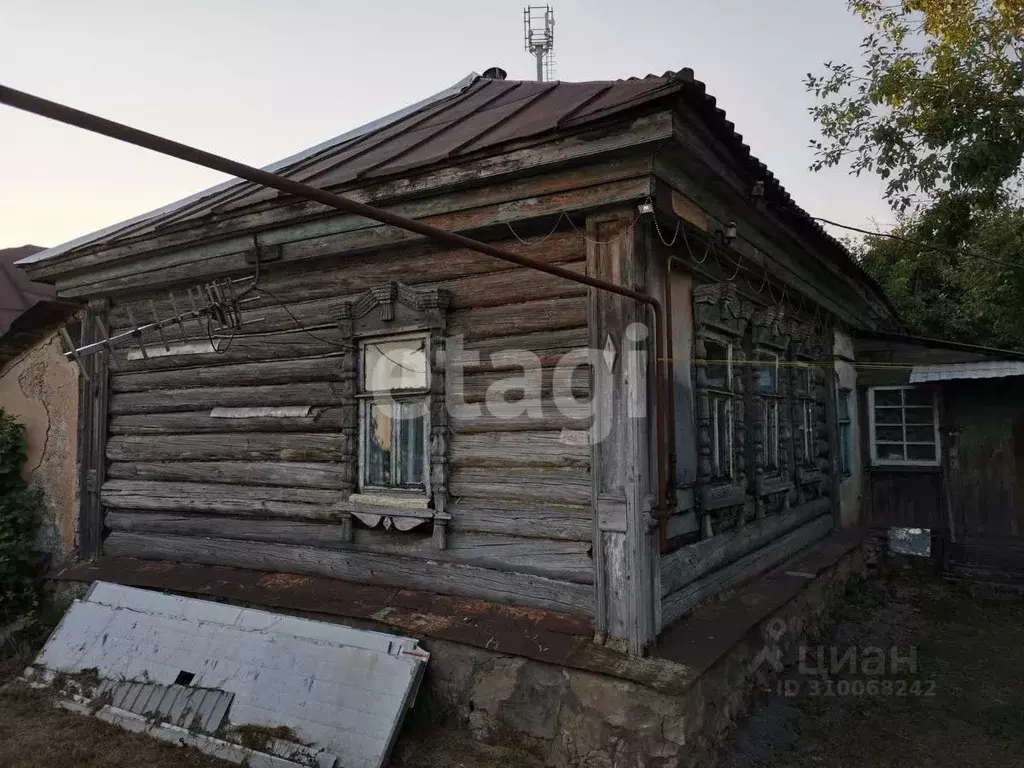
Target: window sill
(925, 469)
(411, 500)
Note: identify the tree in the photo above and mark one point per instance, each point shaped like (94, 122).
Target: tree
(936, 107)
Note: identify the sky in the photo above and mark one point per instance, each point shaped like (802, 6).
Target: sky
(257, 80)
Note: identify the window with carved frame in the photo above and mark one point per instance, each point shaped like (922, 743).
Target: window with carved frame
(718, 364)
(768, 385)
(803, 426)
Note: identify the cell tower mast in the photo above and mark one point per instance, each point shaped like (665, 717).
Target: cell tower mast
(539, 32)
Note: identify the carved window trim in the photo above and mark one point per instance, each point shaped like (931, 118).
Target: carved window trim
(770, 337)
(720, 317)
(394, 310)
(809, 347)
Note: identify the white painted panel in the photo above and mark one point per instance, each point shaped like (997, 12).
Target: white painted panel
(340, 689)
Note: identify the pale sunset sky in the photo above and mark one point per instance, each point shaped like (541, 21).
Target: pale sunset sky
(257, 80)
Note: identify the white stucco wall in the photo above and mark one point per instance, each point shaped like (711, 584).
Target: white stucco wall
(846, 377)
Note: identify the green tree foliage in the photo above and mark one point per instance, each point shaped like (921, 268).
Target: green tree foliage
(936, 109)
(956, 295)
(20, 507)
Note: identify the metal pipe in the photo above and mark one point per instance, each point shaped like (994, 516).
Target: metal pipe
(74, 117)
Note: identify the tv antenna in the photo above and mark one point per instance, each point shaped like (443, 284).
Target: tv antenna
(212, 308)
(539, 33)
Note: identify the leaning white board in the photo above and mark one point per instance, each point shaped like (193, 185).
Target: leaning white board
(343, 692)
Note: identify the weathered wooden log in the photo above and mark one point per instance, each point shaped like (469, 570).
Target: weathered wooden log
(695, 560)
(566, 560)
(529, 415)
(531, 384)
(263, 501)
(359, 567)
(553, 521)
(314, 369)
(230, 447)
(289, 473)
(521, 449)
(682, 601)
(516, 319)
(313, 394)
(197, 422)
(556, 486)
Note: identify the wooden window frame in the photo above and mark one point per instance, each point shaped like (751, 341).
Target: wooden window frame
(844, 429)
(367, 398)
(905, 462)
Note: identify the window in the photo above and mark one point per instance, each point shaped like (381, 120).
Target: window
(804, 427)
(845, 431)
(767, 384)
(904, 426)
(719, 364)
(394, 376)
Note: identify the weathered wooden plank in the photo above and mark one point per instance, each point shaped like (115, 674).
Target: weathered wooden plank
(515, 319)
(237, 375)
(514, 352)
(359, 567)
(515, 385)
(521, 449)
(315, 394)
(230, 447)
(556, 486)
(553, 521)
(196, 422)
(689, 563)
(566, 560)
(293, 474)
(682, 601)
(145, 275)
(266, 501)
(242, 349)
(530, 415)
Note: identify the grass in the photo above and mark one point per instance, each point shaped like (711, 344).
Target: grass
(964, 705)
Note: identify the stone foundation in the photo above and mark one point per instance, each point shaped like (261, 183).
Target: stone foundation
(571, 717)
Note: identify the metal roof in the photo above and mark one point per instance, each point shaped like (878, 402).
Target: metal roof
(18, 294)
(994, 369)
(476, 115)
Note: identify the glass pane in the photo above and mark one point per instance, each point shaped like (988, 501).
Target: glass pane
(889, 434)
(921, 452)
(889, 452)
(919, 415)
(723, 438)
(888, 397)
(803, 380)
(409, 442)
(377, 463)
(767, 372)
(845, 448)
(918, 396)
(771, 435)
(717, 364)
(921, 434)
(389, 365)
(844, 405)
(888, 415)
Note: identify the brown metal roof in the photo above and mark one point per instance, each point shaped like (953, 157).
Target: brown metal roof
(477, 115)
(17, 293)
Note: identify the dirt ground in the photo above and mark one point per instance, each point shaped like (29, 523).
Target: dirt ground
(963, 706)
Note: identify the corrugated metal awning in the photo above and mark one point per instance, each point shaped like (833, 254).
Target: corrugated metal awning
(994, 369)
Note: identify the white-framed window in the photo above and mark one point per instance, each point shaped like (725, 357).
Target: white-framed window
(394, 410)
(904, 425)
(803, 429)
(845, 422)
(767, 383)
(719, 372)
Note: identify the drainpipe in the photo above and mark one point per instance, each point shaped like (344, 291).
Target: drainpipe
(89, 122)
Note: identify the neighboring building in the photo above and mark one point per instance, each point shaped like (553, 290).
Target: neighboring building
(40, 388)
(943, 440)
(267, 448)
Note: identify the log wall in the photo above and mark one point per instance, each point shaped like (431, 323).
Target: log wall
(262, 491)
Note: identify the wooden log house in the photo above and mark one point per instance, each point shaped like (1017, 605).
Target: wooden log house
(524, 471)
